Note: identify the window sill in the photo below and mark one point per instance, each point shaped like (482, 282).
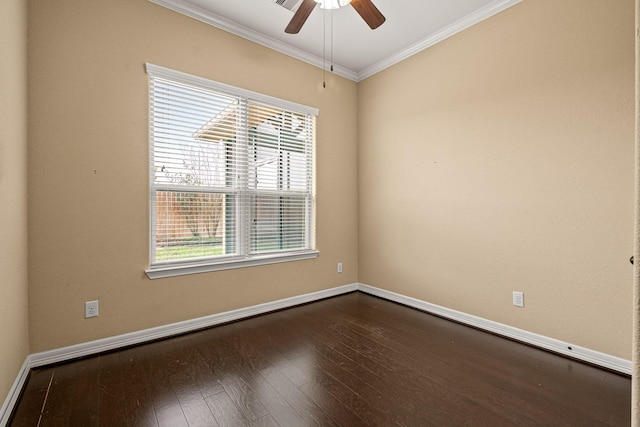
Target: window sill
(162, 271)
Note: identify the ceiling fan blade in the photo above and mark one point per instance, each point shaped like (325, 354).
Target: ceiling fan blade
(369, 12)
(300, 17)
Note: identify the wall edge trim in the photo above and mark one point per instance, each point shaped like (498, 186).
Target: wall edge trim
(583, 354)
(14, 392)
(210, 18)
(450, 30)
(120, 341)
(225, 24)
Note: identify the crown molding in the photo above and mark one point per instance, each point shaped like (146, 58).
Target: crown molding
(224, 24)
(217, 21)
(470, 20)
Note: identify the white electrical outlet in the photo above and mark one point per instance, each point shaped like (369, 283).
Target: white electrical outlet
(518, 299)
(339, 267)
(90, 309)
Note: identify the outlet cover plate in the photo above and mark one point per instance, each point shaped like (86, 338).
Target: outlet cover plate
(518, 299)
(90, 309)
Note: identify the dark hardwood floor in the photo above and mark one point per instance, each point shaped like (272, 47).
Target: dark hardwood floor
(351, 360)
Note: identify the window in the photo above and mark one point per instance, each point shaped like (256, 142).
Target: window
(231, 176)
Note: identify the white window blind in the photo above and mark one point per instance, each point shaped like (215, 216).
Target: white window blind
(231, 174)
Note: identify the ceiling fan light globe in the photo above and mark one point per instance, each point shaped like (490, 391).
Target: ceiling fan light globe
(329, 4)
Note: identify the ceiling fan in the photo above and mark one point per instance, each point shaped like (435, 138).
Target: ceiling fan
(365, 8)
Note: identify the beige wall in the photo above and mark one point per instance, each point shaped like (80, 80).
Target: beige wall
(14, 341)
(502, 159)
(88, 164)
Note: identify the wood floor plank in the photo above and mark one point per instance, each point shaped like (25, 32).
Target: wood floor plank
(249, 364)
(207, 382)
(266, 421)
(85, 391)
(304, 407)
(355, 375)
(27, 413)
(226, 413)
(162, 363)
(138, 399)
(192, 402)
(112, 391)
(334, 407)
(244, 396)
(378, 375)
(171, 416)
(262, 364)
(236, 387)
(56, 409)
(72, 398)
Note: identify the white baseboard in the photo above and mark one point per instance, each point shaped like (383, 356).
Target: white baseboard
(14, 393)
(111, 343)
(93, 347)
(119, 341)
(580, 353)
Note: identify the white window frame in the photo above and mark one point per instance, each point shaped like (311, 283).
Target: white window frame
(158, 270)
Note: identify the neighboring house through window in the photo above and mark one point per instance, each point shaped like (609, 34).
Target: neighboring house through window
(231, 176)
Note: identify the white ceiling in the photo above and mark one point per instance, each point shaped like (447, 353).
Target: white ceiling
(358, 52)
